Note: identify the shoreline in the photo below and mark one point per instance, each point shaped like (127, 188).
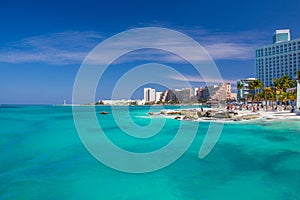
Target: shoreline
(222, 115)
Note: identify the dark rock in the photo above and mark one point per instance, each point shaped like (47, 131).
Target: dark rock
(201, 114)
(210, 113)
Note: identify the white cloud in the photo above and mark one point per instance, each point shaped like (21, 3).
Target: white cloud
(231, 45)
(56, 48)
(72, 47)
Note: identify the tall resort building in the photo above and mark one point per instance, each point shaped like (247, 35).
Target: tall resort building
(278, 59)
(149, 95)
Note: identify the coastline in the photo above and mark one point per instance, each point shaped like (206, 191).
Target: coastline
(222, 115)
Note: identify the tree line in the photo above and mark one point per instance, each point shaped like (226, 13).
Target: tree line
(282, 91)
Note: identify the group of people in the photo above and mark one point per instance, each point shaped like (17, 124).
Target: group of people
(255, 107)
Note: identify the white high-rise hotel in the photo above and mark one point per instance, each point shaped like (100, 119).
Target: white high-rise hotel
(278, 59)
(149, 95)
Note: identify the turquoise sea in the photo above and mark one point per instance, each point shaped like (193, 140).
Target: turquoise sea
(42, 157)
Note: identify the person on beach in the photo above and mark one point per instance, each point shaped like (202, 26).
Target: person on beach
(293, 109)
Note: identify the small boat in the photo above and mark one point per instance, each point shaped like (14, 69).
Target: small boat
(103, 112)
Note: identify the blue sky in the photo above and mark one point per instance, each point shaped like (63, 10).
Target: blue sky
(42, 43)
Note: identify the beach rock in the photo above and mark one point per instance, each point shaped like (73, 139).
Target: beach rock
(249, 117)
(222, 115)
(201, 114)
(210, 113)
(170, 112)
(178, 118)
(192, 115)
(163, 112)
(174, 113)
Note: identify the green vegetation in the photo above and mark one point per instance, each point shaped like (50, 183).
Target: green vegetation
(254, 86)
(283, 90)
(240, 85)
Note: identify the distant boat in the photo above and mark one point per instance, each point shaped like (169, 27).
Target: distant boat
(103, 113)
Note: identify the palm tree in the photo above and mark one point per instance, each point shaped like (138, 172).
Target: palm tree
(273, 97)
(239, 87)
(277, 85)
(282, 97)
(267, 95)
(250, 96)
(282, 84)
(291, 95)
(297, 88)
(260, 96)
(255, 85)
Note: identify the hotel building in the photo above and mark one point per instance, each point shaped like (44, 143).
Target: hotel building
(278, 59)
(149, 95)
(217, 92)
(244, 91)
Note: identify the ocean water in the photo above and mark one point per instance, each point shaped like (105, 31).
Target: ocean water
(42, 157)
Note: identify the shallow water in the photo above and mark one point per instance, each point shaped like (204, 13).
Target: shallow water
(42, 157)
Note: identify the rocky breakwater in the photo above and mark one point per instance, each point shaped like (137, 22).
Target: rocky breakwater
(209, 114)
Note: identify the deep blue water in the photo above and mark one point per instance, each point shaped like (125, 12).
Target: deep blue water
(42, 157)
